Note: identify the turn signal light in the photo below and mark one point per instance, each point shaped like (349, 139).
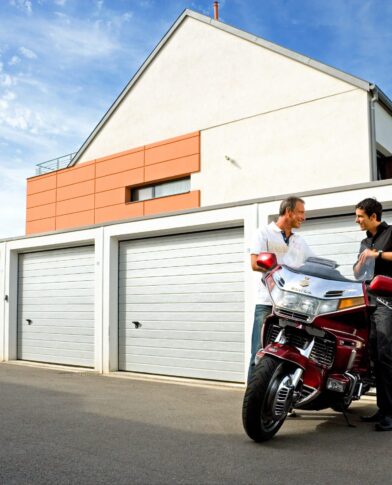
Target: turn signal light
(351, 302)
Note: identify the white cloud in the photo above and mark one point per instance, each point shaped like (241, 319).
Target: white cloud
(12, 200)
(25, 5)
(9, 96)
(28, 53)
(61, 3)
(63, 17)
(76, 41)
(14, 61)
(6, 80)
(127, 16)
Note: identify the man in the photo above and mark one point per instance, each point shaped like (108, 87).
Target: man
(276, 238)
(378, 245)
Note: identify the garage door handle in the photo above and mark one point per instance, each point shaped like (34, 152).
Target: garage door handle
(137, 324)
(29, 322)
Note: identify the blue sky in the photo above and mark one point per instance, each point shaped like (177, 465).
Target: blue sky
(64, 62)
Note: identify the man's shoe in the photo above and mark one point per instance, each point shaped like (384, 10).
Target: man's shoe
(385, 424)
(373, 418)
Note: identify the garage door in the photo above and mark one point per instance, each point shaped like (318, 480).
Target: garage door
(337, 238)
(56, 306)
(187, 293)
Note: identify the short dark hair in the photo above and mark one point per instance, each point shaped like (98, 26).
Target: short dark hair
(289, 204)
(370, 206)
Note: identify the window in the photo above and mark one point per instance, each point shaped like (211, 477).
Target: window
(384, 166)
(163, 189)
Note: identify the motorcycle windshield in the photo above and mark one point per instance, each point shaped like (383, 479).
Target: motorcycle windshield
(346, 268)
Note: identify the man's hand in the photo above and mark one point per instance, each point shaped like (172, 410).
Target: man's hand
(253, 263)
(368, 253)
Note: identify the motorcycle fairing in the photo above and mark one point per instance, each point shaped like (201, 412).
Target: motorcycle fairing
(284, 352)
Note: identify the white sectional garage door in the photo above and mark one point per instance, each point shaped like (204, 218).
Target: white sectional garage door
(187, 293)
(337, 238)
(56, 306)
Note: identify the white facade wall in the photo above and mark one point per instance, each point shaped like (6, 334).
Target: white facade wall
(383, 129)
(259, 107)
(319, 144)
(106, 238)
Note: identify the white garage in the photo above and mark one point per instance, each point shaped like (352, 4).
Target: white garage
(181, 305)
(55, 322)
(337, 238)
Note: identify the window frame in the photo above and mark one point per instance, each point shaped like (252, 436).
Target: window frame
(130, 190)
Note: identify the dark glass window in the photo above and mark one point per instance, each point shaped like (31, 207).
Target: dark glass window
(384, 166)
(163, 189)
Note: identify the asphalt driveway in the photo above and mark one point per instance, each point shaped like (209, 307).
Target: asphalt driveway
(78, 427)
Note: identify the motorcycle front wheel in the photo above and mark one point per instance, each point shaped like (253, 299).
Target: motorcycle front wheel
(267, 399)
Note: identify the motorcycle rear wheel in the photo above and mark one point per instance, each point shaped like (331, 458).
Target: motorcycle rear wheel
(258, 417)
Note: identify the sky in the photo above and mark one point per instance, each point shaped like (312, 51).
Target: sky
(64, 62)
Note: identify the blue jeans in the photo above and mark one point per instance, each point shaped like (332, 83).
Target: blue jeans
(261, 313)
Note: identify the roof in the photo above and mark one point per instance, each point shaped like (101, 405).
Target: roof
(332, 71)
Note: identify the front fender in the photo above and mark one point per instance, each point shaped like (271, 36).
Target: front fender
(283, 352)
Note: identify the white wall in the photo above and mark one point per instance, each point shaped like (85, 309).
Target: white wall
(204, 77)
(383, 128)
(320, 144)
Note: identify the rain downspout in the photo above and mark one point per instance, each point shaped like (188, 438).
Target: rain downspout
(372, 120)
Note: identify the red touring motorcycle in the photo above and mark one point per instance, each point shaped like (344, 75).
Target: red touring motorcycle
(315, 342)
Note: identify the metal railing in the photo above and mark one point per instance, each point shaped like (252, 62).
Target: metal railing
(54, 164)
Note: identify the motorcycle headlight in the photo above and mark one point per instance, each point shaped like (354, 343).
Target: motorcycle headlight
(304, 304)
(308, 305)
(327, 306)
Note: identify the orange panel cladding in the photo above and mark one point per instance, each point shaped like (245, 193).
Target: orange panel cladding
(75, 205)
(78, 219)
(40, 212)
(41, 184)
(74, 175)
(122, 179)
(42, 198)
(172, 168)
(190, 200)
(110, 197)
(95, 192)
(42, 225)
(76, 190)
(118, 212)
(171, 150)
(120, 163)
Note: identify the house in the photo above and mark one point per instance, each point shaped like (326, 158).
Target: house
(135, 255)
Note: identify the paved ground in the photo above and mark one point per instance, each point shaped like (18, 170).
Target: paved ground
(64, 428)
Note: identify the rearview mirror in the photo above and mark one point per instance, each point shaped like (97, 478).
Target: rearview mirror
(381, 285)
(267, 261)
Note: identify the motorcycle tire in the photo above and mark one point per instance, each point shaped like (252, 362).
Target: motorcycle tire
(257, 414)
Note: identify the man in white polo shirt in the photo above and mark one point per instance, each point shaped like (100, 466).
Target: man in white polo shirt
(277, 237)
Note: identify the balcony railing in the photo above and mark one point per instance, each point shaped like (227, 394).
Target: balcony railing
(53, 165)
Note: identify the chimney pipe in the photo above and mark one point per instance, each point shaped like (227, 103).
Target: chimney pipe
(216, 10)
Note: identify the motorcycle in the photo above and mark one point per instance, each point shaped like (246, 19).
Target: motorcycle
(314, 351)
